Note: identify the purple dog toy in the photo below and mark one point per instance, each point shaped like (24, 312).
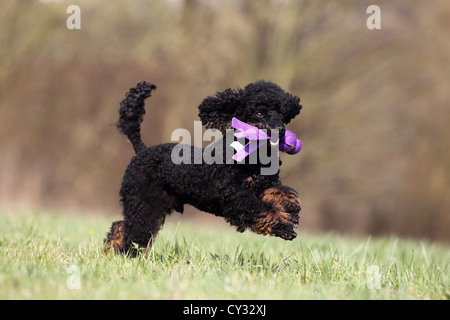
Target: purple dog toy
(289, 143)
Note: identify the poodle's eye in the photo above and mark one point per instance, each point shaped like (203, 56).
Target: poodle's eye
(259, 115)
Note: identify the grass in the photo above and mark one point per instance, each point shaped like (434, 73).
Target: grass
(41, 252)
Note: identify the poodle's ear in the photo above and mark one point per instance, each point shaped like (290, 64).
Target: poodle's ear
(217, 111)
(291, 108)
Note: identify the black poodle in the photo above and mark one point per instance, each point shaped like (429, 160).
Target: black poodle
(153, 185)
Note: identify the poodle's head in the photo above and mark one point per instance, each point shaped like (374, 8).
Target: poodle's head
(262, 104)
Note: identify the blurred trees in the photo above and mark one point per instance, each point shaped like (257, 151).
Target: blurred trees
(376, 102)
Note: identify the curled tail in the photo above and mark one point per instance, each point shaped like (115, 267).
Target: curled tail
(131, 113)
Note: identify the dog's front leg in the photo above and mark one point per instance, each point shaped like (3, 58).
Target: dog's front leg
(285, 197)
(282, 218)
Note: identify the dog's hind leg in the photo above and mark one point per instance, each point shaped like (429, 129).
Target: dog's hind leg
(114, 237)
(143, 220)
(144, 216)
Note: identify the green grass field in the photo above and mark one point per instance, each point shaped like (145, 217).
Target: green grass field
(46, 255)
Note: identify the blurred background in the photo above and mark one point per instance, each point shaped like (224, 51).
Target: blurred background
(376, 156)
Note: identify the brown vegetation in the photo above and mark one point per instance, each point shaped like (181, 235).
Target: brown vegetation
(376, 154)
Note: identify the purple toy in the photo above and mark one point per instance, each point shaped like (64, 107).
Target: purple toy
(289, 143)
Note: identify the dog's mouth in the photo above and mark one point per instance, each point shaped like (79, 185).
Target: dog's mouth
(281, 132)
(270, 131)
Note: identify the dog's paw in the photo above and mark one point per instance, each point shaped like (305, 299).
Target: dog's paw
(284, 231)
(276, 222)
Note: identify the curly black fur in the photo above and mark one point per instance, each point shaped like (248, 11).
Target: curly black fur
(153, 186)
(132, 111)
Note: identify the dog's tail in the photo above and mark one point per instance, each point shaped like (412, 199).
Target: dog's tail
(131, 113)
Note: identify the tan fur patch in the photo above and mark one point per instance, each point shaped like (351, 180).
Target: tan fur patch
(273, 195)
(279, 196)
(115, 237)
(268, 219)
